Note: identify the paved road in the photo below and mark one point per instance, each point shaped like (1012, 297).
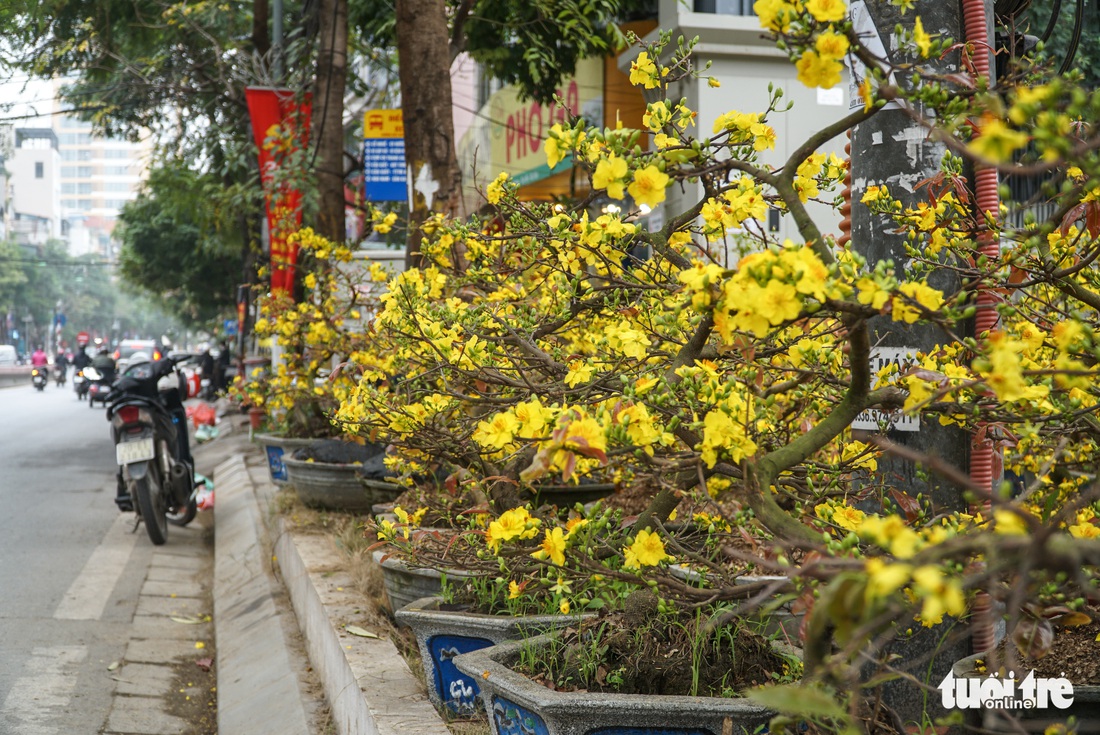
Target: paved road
(71, 571)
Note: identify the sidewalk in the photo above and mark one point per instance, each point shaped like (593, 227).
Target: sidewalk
(367, 685)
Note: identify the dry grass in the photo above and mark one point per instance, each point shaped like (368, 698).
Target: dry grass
(347, 533)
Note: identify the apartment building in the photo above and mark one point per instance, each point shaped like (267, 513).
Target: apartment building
(98, 176)
(35, 167)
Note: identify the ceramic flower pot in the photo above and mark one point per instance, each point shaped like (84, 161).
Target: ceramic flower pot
(331, 486)
(406, 584)
(998, 719)
(275, 448)
(443, 634)
(516, 704)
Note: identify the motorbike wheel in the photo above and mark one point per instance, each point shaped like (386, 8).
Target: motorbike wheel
(185, 515)
(151, 505)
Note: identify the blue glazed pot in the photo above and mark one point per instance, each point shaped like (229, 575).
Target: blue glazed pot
(275, 447)
(443, 635)
(517, 705)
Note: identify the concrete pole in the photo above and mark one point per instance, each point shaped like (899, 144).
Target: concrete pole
(893, 149)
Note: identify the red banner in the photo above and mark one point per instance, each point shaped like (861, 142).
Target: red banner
(280, 126)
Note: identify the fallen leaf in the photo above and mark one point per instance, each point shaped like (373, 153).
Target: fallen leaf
(356, 630)
(204, 663)
(187, 620)
(112, 666)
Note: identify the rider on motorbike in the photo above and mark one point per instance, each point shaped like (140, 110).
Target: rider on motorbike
(39, 358)
(61, 365)
(105, 364)
(81, 359)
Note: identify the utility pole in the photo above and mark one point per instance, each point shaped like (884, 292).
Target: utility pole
(893, 149)
(328, 116)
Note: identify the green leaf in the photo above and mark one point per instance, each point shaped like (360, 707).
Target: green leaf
(798, 699)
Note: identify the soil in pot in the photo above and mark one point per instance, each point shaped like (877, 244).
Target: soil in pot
(369, 457)
(641, 651)
(1072, 654)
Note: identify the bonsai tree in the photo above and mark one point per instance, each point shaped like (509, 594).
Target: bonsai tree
(573, 343)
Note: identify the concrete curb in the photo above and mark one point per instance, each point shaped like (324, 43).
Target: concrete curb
(258, 690)
(368, 685)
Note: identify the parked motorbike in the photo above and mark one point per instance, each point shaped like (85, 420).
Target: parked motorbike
(39, 377)
(80, 385)
(99, 385)
(156, 476)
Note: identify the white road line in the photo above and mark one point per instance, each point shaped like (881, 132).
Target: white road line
(41, 695)
(88, 595)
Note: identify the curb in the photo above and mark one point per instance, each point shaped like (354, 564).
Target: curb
(258, 689)
(368, 686)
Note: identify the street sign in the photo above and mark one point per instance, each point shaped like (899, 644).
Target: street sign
(384, 171)
(871, 419)
(230, 327)
(83, 338)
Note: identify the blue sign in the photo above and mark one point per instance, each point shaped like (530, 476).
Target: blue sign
(230, 327)
(384, 170)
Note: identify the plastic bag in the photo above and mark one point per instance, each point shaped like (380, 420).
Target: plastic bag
(205, 497)
(202, 414)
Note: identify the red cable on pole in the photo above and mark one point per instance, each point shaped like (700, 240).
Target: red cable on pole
(985, 464)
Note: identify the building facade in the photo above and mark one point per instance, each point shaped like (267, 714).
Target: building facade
(98, 176)
(35, 169)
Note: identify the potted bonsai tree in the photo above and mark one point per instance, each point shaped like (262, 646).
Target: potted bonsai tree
(552, 348)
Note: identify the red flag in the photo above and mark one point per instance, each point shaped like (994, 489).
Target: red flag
(280, 125)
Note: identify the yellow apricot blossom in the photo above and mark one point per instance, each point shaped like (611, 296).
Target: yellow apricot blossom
(648, 186)
(552, 546)
(647, 550)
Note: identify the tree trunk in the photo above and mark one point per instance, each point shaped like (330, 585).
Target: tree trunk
(328, 116)
(260, 39)
(423, 48)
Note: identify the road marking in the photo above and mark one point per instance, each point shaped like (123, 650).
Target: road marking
(88, 595)
(40, 696)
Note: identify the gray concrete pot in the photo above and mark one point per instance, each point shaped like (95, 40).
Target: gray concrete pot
(1085, 707)
(331, 486)
(405, 584)
(275, 448)
(518, 705)
(444, 634)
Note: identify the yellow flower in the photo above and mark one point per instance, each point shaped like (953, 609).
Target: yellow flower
(644, 72)
(848, 518)
(512, 524)
(648, 550)
(884, 579)
(779, 302)
(923, 294)
(827, 11)
(648, 187)
(775, 15)
(921, 39)
(831, 45)
(939, 595)
(1008, 523)
(496, 190)
(552, 547)
(996, 141)
(1084, 530)
(609, 175)
(564, 607)
(498, 432)
(818, 71)
(514, 590)
(579, 372)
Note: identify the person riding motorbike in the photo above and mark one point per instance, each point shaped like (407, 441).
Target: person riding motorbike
(61, 365)
(105, 364)
(39, 358)
(81, 359)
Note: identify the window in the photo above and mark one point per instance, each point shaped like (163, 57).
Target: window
(83, 154)
(39, 170)
(75, 139)
(115, 186)
(116, 170)
(68, 189)
(123, 153)
(725, 7)
(76, 172)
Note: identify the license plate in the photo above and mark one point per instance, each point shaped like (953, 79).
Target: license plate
(139, 450)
